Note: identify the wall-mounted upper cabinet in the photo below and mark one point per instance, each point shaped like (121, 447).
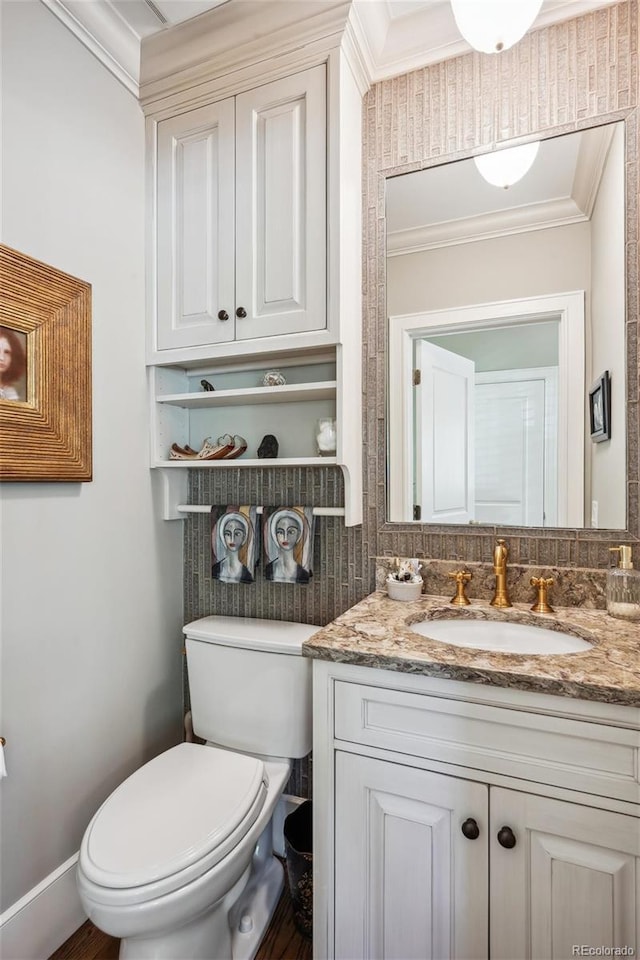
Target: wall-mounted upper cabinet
(240, 245)
(254, 186)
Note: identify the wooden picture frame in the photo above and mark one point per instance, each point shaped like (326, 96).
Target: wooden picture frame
(45, 415)
(600, 408)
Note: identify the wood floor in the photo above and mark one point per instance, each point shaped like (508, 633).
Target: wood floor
(281, 941)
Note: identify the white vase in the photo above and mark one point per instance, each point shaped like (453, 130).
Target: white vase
(326, 437)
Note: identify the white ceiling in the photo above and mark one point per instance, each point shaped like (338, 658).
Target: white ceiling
(396, 35)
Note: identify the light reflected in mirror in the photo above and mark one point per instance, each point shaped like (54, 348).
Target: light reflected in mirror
(504, 306)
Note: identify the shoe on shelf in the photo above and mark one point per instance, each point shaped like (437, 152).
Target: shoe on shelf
(240, 445)
(181, 453)
(218, 450)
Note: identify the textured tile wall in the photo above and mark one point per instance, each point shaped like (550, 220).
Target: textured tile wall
(343, 573)
(573, 74)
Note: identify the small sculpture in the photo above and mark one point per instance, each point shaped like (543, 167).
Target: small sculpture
(206, 385)
(273, 378)
(268, 449)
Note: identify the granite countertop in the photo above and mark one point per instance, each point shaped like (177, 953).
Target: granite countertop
(376, 633)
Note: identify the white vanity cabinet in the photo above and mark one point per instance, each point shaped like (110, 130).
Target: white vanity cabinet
(454, 820)
(240, 245)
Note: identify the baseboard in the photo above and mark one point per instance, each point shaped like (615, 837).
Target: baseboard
(286, 805)
(35, 926)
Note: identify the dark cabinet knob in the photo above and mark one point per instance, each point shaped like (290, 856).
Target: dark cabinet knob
(470, 829)
(506, 838)
(223, 315)
(241, 312)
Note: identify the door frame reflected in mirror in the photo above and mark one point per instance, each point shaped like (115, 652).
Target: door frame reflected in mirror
(402, 336)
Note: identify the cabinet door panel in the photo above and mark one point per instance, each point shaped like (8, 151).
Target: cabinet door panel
(408, 885)
(570, 880)
(281, 206)
(195, 256)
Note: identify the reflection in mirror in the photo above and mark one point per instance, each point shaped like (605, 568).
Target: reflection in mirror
(504, 306)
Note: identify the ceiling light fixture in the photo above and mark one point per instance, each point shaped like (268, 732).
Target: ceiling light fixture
(494, 25)
(505, 167)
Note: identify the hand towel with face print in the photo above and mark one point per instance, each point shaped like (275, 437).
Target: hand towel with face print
(234, 544)
(287, 534)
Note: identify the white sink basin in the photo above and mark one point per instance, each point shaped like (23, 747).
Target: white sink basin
(501, 636)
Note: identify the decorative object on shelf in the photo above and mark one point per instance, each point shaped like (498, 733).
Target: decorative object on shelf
(206, 386)
(176, 452)
(45, 372)
(462, 578)
(600, 408)
(273, 378)
(405, 582)
(326, 437)
(219, 450)
(240, 445)
(268, 449)
(288, 543)
(234, 544)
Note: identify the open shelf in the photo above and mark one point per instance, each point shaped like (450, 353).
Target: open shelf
(289, 393)
(250, 462)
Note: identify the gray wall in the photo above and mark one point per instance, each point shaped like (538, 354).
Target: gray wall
(91, 574)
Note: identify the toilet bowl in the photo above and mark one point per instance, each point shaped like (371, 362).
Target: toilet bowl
(178, 862)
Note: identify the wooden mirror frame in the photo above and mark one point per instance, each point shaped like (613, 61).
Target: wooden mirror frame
(48, 436)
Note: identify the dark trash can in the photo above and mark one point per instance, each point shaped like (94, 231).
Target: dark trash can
(299, 853)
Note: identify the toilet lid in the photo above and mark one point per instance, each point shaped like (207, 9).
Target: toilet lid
(174, 812)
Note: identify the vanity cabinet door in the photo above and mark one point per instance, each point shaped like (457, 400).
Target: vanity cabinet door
(572, 878)
(409, 885)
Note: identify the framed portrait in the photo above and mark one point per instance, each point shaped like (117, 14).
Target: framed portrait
(45, 372)
(600, 408)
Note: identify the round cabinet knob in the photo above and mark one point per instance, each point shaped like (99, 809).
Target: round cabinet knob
(223, 315)
(241, 312)
(506, 838)
(470, 829)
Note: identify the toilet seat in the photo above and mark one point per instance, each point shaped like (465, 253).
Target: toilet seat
(172, 820)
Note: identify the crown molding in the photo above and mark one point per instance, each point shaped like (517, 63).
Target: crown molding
(592, 159)
(232, 37)
(378, 45)
(535, 216)
(105, 34)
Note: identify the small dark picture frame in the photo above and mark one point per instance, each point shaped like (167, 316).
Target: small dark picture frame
(600, 408)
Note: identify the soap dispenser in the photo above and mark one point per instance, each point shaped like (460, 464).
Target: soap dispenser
(623, 587)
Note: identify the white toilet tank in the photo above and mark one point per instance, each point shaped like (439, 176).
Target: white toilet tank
(249, 684)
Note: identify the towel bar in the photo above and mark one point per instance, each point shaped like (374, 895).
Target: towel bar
(204, 508)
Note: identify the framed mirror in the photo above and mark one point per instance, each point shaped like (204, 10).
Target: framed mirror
(555, 81)
(506, 301)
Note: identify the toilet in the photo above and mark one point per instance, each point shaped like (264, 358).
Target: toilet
(178, 862)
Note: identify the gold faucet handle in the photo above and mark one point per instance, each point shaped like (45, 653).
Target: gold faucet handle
(542, 584)
(461, 578)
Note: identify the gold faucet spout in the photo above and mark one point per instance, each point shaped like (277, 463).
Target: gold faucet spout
(500, 557)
